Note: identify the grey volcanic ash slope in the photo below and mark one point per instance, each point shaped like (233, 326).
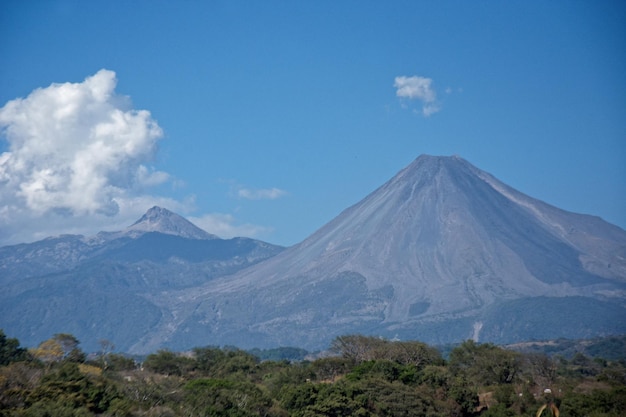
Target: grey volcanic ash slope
(441, 252)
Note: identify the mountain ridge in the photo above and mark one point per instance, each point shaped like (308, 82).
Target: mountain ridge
(441, 252)
(438, 242)
(94, 287)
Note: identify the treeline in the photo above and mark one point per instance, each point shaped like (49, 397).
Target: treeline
(608, 347)
(360, 376)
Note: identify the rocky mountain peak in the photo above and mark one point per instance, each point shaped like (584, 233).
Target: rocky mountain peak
(442, 250)
(430, 166)
(158, 219)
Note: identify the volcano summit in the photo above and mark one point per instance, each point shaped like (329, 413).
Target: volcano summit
(441, 252)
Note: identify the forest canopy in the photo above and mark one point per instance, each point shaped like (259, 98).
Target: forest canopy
(359, 375)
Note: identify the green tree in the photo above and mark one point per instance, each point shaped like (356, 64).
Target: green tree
(361, 348)
(117, 362)
(539, 368)
(10, 350)
(357, 347)
(169, 363)
(215, 362)
(609, 403)
(328, 369)
(413, 353)
(221, 397)
(287, 375)
(485, 364)
(383, 369)
(17, 381)
(67, 387)
(208, 359)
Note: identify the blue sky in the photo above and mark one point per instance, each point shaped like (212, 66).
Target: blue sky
(267, 119)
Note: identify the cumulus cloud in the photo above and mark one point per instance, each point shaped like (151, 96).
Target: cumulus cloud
(260, 194)
(77, 160)
(225, 226)
(75, 150)
(418, 88)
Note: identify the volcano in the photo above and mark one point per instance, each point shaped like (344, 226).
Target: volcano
(442, 252)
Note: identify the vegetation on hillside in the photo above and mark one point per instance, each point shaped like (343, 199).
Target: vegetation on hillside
(361, 376)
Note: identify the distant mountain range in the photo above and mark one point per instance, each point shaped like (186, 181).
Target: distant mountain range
(96, 287)
(442, 252)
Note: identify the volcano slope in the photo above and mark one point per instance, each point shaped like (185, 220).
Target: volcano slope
(442, 252)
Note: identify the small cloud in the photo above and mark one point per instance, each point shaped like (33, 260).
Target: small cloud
(149, 177)
(260, 194)
(418, 88)
(429, 109)
(415, 87)
(225, 226)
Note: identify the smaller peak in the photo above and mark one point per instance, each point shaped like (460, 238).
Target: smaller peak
(157, 209)
(161, 220)
(153, 214)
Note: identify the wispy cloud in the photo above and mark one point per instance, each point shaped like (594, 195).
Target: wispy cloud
(226, 226)
(418, 88)
(76, 150)
(261, 193)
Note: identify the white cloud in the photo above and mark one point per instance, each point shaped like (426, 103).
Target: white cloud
(431, 108)
(225, 226)
(77, 154)
(261, 194)
(415, 87)
(77, 161)
(418, 88)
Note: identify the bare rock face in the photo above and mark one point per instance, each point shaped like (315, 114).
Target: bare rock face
(442, 252)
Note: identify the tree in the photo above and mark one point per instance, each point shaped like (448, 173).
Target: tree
(17, 380)
(413, 353)
(168, 363)
(106, 347)
(48, 351)
(361, 348)
(225, 398)
(69, 344)
(208, 359)
(485, 364)
(117, 362)
(539, 368)
(328, 369)
(357, 347)
(216, 362)
(67, 387)
(10, 350)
